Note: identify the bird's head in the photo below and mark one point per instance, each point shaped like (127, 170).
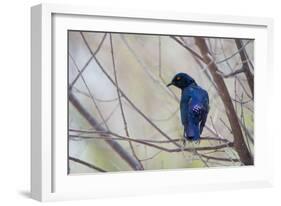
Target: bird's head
(182, 80)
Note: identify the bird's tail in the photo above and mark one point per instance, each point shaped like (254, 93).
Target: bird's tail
(193, 131)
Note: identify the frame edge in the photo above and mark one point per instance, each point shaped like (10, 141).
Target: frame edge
(36, 109)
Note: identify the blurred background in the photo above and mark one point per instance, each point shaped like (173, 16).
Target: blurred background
(122, 116)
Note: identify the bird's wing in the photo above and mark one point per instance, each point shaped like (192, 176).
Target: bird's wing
(205, 110)
(184, 109)
(184, 106)
(194, 111)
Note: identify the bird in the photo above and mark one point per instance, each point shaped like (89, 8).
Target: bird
(194, 106)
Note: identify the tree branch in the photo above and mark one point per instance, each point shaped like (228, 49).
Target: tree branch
(187, 48)
(115, 145)
(120, 102)
(127, 99)
(148, 142)
(244, 60)
(239, 142)
(87, 63)
(86, 164)
(153, 77)
(90, 93)
(220, 158)
(238, 71)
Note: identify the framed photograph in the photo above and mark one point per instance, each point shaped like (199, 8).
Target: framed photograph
(137, 102)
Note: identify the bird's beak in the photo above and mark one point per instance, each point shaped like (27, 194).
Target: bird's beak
(169, 84)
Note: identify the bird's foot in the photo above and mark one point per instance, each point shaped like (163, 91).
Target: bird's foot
(197, 141)
(183, 140)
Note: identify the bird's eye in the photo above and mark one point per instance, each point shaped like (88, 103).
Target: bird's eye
(178, 78)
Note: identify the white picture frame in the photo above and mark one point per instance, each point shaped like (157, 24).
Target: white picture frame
(49, 179)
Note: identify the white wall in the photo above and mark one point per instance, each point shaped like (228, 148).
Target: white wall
(14, 109)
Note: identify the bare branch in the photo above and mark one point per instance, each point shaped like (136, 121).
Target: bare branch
(220, 158)
(239, 142)
(200, 64)
(238, 71)
(248, 136)
(147, 142)
(153, 156)
(243, 55)
(92, 121)
(109, 115)
(232, 70)
(88, 62)
(188, 48)
(86, 164)
(150, 74)
(234, 54)
(163, 84)
(74, 89)
(211, 61)
(224, 123)
(120, 102)
(90, 93)
(128, 100)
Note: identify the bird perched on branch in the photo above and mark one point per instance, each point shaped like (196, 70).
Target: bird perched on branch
(194, 106)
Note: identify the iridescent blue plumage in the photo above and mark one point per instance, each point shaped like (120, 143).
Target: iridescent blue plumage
(194, 106)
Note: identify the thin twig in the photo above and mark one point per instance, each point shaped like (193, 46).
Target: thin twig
(145, 142)
(201, 58)
(150, 74)
(217, 133)
(93, 122)
(153, 156)
(231, 69)
(165, 118)
(224, 123)
(220, 158)
(74, 89)
(148, 140)
(234, 54)
(120, 101)
(238, 71)
(127, 99)
(244, 60)
(200, 157)
(188, 48)
(109, 116)
(213, 60)
(87, 63)
(86, 164)
(163, 84)
(243, 102)
(90, 93)
(243, 121)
